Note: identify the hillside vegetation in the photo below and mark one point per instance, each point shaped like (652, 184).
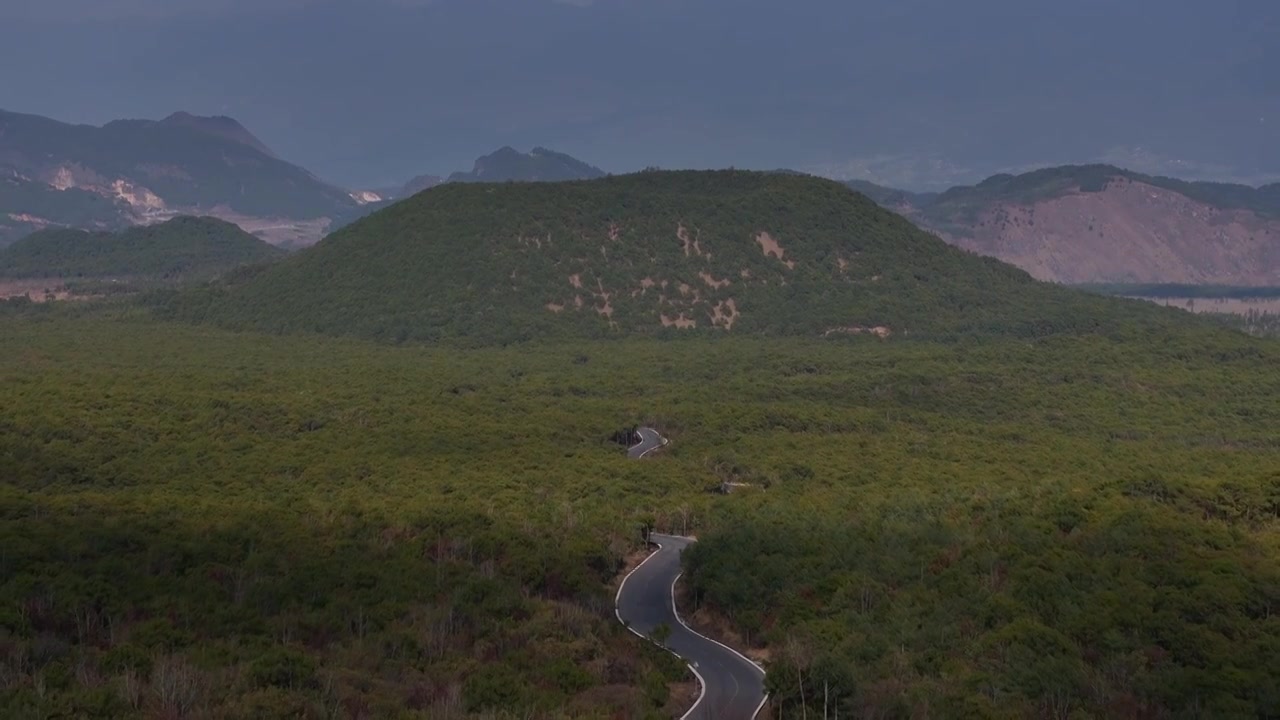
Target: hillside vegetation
(229, 525)
(651, 253)
(1044, 504)
(183, 248)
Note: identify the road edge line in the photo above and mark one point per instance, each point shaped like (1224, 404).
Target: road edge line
(702, 683)
(675, 608)
(661, 445)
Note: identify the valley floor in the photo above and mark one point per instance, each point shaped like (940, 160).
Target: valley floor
(224, 525)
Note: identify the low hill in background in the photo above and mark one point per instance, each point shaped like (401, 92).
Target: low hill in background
(503, 165)
(538, 165)
(182, 248)
(1102, 224)
(653, 252)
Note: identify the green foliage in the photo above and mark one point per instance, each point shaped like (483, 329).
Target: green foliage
(661, 634)
(630, 255)
(1176, 290)
(1258, 321)
(185, 248)
(256, 526)
(1254, 322)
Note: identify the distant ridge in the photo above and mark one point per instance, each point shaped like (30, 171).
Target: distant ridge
(151, 169)
(220, 126)
(505, 164)
(1103, 224)
(538, 165)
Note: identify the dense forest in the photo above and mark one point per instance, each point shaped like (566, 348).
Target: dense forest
(1178, 290)
(655, 253)
(184, 248)
(956, 492)
(1254, 322)
(209, 524)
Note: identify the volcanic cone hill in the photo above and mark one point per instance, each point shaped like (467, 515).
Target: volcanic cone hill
(650, 253)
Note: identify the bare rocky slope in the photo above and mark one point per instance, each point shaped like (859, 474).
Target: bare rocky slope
(1099, 224)
(131, 172)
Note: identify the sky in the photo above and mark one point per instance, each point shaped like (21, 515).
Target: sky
(920, 94)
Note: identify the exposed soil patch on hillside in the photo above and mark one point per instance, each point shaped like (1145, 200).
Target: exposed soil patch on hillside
(711, 282)
(38, 289)
(879, 331)
(682, 233)
(680, 321)
(724, 314)
(770, 247)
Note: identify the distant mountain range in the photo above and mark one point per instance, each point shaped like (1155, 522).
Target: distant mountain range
(1071, 224)
(137, 172)
(1103, 224)
(131, 172)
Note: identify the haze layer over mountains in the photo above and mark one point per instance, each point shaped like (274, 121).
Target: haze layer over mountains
(920, 94)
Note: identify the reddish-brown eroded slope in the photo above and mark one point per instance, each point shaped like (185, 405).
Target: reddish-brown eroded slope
(1130, 232)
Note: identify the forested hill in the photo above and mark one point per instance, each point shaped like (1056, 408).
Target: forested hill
(654, 252)
(185, 248)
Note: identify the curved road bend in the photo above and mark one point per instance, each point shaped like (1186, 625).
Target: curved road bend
(650, 440)
(732, 686)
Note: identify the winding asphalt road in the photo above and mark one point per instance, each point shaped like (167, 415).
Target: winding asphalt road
(650, 440)
(732, 685)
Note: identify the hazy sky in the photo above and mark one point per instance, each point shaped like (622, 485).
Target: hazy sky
(919, 93)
